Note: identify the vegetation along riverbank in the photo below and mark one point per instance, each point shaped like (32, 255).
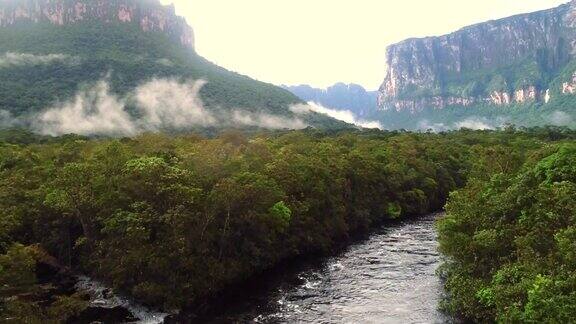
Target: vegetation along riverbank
(175, 220)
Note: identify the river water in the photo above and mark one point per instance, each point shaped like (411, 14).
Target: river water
(388, 278)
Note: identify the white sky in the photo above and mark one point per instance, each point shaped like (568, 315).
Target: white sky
(321, 42)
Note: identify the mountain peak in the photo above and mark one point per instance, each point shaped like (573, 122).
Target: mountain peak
(149, 15)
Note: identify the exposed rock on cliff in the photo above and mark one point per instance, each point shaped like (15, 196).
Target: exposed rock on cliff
(150, 15)
(569, 87)
(524, 58)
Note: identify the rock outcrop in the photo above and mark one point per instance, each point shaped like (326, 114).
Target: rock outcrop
(569, 87)
(501, 62)
(149, 15)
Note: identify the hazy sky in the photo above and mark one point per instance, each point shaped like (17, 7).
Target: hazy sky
(320, 42)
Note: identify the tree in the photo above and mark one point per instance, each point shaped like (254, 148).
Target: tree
(73, 194)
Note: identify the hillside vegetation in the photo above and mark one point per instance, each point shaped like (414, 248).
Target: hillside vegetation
(124, 56)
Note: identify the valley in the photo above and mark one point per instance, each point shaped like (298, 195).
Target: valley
(141, 182)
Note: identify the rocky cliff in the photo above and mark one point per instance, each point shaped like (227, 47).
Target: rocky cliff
(524, 58)
(149, 15)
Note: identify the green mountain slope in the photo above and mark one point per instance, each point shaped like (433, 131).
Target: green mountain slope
(42, 64)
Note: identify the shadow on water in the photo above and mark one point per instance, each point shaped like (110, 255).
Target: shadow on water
(388, 277)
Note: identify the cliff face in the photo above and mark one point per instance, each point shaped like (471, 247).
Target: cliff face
(150, 15)
(512, 60)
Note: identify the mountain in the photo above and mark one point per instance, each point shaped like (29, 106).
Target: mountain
(520, 69)
(340, 96)
(123, 66)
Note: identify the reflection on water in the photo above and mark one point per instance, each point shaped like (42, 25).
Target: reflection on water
(388, 278)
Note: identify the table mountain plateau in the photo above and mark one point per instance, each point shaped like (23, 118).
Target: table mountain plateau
(494, 68)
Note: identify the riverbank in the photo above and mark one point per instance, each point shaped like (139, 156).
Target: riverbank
(389, 274)
(105, 305)
(264, 283)
(96, 302)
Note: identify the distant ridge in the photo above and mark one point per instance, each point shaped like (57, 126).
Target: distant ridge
(340, 96)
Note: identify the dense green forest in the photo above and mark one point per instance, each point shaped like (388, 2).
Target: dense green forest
(173, 221)
(510, 237)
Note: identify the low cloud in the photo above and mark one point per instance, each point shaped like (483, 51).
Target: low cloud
(342, 115)
(560, 118)
(155, 105)
(266, 121)
(93, 111)
(169, 103)
(19, 59)
(6, 119)
(435, 127)
(475, 124)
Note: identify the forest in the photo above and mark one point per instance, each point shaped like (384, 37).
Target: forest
(176, 220)
(510, 237)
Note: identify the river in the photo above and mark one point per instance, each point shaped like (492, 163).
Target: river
(387, 278)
